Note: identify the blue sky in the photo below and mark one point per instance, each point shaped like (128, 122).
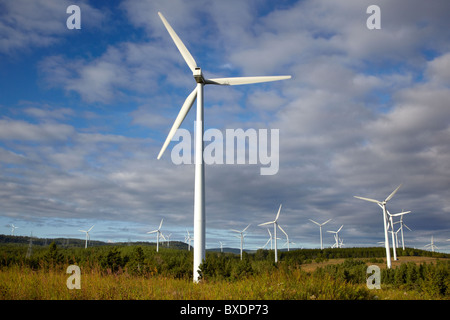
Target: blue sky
(85, 112)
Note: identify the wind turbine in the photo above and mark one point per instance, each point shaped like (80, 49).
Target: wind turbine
(221, 246)
(402, 224)
(336, 236)
(188, 239)
(431, 245)
(287, 237)
(391, 223)
(241, 237)
(382, 204)
(199, 181)
(13, 227)
(275, 225)
(158, 233)
(320, 226)
(88, 237)
(270, 240)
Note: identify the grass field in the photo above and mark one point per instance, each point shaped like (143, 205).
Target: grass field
(23, 283)
(138, 272)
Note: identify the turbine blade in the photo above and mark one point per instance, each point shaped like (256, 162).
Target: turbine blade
(314, 222)
(367, 199)
(339, 229)
(245, 80)
(180, 45)
(181, 115)
(326, 221)
(90, 228)
(282, 230)
(278, 214)
(153, 231)
(246, 228)
(265, 223)
(235, 230)
(400, 213)
(392, 194)
(160, 225)
(82, 230)
(407, 227)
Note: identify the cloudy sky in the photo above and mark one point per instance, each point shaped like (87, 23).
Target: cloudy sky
(84, 114)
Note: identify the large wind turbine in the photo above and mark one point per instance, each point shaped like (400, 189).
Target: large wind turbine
(382, 204)
(88, 237)
(336, 236)
(275, 226)
(197, 93)
(241, 236)
(320, 226)
(158, 233)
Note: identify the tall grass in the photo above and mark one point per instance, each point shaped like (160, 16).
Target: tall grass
(20, 282)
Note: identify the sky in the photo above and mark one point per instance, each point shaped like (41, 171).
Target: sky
(84, 113)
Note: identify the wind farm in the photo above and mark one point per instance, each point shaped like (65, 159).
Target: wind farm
(101, 133)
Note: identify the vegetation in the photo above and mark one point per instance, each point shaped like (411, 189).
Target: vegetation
(139, 272)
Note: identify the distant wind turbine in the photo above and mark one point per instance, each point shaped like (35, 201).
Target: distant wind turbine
(221, 246)
(197, 93)
(287, 237)
(13, 228)
(241, 236)
(188, 239)
(158, 234)
(402, 224)
(431, 245)
(382, 204)
(275, 226)
(320, 226)
(88, 237)
(391, 223)
(336, 236)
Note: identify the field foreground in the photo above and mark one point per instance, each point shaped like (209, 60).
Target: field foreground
(19, 283)
(139, 273)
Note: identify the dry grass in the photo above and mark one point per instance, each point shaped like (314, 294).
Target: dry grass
(310, 267)
(18, 283)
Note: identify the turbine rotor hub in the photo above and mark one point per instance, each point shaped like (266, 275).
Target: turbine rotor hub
(198, 76)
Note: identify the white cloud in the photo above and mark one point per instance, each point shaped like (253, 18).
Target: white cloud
(39, 23)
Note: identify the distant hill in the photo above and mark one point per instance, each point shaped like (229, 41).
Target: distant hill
(79, 243)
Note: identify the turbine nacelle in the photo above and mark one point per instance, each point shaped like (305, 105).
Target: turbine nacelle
(198, 76)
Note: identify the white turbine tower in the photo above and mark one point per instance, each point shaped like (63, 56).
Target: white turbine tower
(88, 237)
(197, 93)
(13, 228)
(320, 226)
(402, 224)
(221, 246)
(382, 204)
(336, 237)
(275, 226)
(431, 245)
(391, 223)
(158, 234)
(241, 236)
